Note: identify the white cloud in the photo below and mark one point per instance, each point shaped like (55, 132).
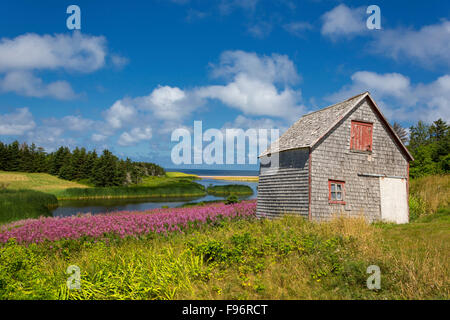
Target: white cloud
(16, 123)
(343, 21)
(276, 68)
(169, 103)
(428, 46)
(122, 111)
(25, 83)
(97, 137)
(242, 122)
(134, 136)
(72, 123)
(399, 98)
(253, 81)
(255, 97)
(75, 51)
(50, 138)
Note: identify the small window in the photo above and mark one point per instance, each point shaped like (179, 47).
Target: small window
(361, 136)
(336, 191)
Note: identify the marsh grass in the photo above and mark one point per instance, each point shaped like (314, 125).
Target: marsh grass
(176, 189)
(25, 204)
(235, 189)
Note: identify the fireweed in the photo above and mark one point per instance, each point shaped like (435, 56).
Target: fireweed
(122, 224)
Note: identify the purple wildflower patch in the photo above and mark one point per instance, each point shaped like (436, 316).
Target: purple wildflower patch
(122, 224)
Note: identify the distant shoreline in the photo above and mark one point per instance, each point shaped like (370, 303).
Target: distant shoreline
(232, 178)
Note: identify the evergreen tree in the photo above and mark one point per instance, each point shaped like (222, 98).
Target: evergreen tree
(401, 132)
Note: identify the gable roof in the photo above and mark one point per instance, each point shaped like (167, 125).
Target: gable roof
(312, 127)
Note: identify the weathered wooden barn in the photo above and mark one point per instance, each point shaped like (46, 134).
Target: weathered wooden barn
(345, 158)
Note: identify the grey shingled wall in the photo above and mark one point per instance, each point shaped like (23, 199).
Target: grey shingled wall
(284, 189)
(332, 159)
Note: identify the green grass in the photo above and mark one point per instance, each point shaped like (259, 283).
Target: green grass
(166, 190)
(36, 181)
(181, 175)
(429, 194)
(288, 258)
(173, 185)
(24, 204)
(236, 189)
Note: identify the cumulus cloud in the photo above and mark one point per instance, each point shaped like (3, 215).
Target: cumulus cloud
(399, 98)
(17, 123)
(343, 21)
(252, 84)
(243, 122)
(26, 84)
(276, 68)
(72, 123)
(21, 57)
(75, 51)
(134, 136)
(429, 46)
(122, 111)
(255, 97)
(169, 103)
(97, 137)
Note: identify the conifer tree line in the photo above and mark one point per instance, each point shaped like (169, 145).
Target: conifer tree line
(429, 144)
(103, 170)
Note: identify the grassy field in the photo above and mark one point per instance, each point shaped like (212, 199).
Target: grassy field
(175, 184)
(288, 258)
(236, 189)
(181, 175)
(36, 181)
(433, 192)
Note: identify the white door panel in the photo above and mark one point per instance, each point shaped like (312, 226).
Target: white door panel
(394, 202)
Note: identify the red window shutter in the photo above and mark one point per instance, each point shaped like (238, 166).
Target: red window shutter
(361, 136)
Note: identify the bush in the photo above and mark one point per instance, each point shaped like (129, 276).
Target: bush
(417, 207)
(232, 199)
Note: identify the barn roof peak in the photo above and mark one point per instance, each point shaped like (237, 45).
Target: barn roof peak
(310, 128)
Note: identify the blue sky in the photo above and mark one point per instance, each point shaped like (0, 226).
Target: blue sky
(137, 70)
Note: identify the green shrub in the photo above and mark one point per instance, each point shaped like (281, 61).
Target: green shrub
(232, 199)
(417, 207)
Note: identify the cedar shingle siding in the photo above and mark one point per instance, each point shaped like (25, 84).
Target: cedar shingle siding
(285, 189)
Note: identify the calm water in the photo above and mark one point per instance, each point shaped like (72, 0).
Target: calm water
(95, 206)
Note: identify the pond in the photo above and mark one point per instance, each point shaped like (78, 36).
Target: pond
(96, 206)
